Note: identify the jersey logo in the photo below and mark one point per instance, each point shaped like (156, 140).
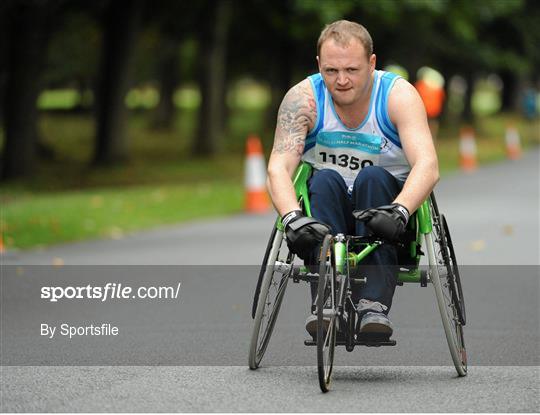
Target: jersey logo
(386, 145)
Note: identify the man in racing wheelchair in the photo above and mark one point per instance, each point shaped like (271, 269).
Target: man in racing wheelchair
(365, 133)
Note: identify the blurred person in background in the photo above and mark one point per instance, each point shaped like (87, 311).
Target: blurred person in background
(430, 86)
(530, 103)
(366, 134)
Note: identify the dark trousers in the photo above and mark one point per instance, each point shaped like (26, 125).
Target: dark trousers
(332, 204)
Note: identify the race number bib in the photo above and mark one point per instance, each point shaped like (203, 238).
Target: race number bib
(347, 152)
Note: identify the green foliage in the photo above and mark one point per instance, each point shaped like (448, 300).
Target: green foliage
(64, 99)
(454, 36)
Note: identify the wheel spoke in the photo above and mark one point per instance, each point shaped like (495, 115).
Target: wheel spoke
(329, 331)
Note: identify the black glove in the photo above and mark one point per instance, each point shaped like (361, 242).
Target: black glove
(304, 234)
(388, 222)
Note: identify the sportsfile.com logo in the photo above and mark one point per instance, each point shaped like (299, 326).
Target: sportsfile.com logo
(110, 291)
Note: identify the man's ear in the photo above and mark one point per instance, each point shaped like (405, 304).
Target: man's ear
(318, 63)
(372, 61)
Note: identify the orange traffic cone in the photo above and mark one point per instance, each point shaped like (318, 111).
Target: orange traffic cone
(2, 247)
(467, 149)
(513, 143)
(255, 180)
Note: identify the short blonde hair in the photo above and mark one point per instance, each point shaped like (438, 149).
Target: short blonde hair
(342, 31)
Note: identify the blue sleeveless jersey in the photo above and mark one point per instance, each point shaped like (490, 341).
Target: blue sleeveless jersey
(332, 145)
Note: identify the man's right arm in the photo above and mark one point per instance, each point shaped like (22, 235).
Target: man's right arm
(296, 116)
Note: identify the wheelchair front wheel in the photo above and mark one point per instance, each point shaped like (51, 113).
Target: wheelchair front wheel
(445, 279)
(326, 313)
(268, 296)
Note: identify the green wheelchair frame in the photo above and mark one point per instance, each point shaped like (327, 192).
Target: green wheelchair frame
(334, 282)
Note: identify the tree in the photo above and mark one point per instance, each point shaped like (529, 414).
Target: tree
(168, 75)
(212, 75)
(73, 53)
(122, 20)
(29, 31)
(169, 24)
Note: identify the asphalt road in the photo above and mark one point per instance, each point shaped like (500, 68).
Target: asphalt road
(191, 355)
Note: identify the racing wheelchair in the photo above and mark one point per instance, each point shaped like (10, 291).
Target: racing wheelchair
(339, 255)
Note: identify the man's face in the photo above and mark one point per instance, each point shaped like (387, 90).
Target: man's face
(346, 71)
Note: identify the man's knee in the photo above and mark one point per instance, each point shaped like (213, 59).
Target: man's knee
(374, 186)
(371, 175)
(326, 179)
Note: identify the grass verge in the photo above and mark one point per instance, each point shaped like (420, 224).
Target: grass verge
(39, 220)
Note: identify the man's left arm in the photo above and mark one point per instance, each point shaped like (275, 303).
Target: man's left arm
(407, 112)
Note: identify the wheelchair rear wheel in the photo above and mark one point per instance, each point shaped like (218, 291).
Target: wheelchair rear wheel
(457, 290)
(273, 278)
(326, 312)
(450, 259)
(443, 271)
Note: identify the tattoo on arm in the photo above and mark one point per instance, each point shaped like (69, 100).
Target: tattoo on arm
(296, 115)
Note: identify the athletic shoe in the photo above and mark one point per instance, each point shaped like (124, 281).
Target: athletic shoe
(365, 305)
(376, 324)
(311, 322)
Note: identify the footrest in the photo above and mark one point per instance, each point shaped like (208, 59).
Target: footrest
(375, 342)
(358, 342)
